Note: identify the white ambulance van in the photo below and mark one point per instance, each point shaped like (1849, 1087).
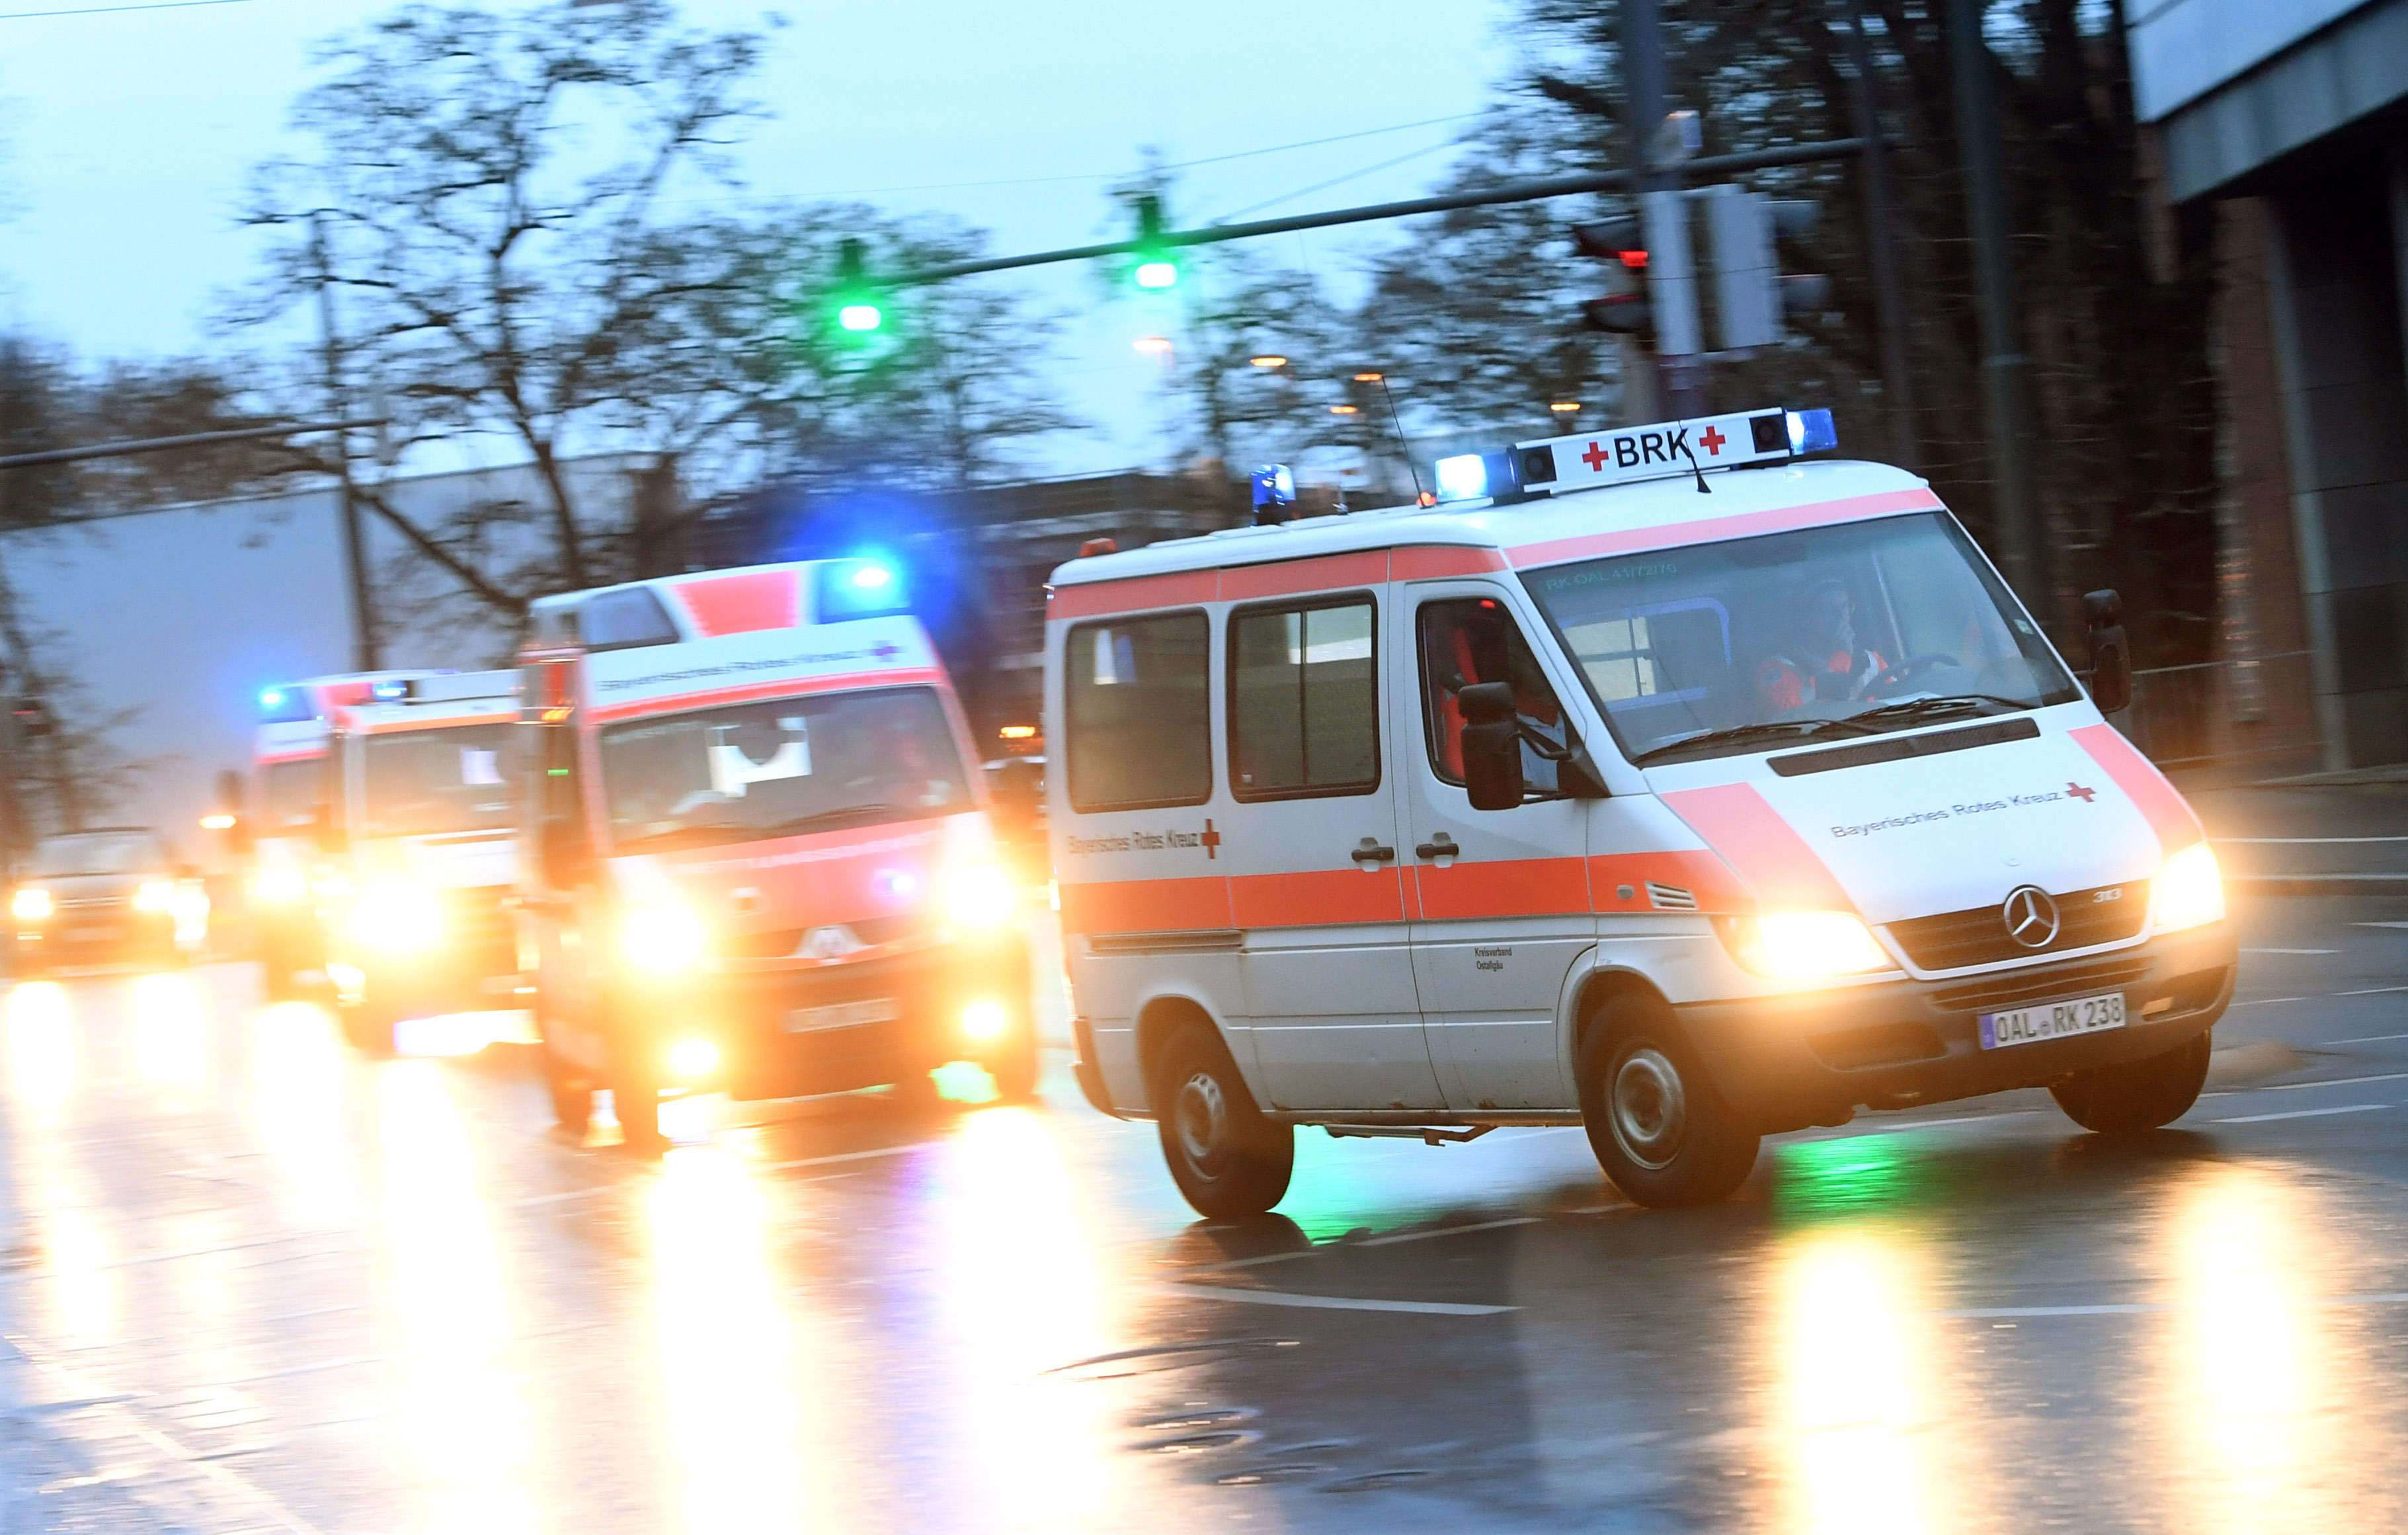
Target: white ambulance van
(1656, 781)
(284, 830)
(421, 846)
(759, 858)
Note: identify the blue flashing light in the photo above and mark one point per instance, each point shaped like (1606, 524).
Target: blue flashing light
(389, 693)
(271, 698)
(871, 577)
(1462, 478)
(858, 588)
(1811, 431)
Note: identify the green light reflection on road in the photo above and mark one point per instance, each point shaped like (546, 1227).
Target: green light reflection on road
(1826, 1180)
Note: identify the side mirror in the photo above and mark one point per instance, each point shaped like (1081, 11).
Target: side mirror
(1491, 746)
(566, 864)
(2111, 657)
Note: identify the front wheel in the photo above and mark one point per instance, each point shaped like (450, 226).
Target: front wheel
(2136, 1095)
(1013, 1064)
(635, 1097)
(572, 1096)
(1658, 1126)
(1226, 1158)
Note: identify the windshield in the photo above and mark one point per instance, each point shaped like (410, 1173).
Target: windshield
(443, 779)
(1747, 645)
(781, 767)
(101, 852)
(291, 791)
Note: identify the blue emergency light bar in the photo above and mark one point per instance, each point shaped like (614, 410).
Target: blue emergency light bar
(857, 588)
(389, 693)
(1621, 455)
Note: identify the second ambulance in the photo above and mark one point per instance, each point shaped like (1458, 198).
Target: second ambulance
(1660, 780)
(759, 858)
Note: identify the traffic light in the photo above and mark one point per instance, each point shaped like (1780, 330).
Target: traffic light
(1624, 310)
(32, 716)
(1752, 295)
(1157, 263)
(855, 301)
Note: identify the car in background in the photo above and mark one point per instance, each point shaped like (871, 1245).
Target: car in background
(109, 896)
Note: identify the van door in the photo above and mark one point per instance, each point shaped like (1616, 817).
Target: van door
(1314, 881)
(1501, 896)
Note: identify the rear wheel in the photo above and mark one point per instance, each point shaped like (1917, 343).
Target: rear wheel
(1659, 1128)
(1226, 1158)
(2136, 1095)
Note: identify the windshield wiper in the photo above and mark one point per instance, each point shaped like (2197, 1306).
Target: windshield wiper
(1909, 711)
(1741, 734)
(845, 812)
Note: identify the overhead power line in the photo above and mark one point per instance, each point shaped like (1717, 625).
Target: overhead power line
(111, 10)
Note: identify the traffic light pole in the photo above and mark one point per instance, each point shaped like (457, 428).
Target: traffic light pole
(1890, 309)
(364, 647)
(1679, 381)
(2005, 369)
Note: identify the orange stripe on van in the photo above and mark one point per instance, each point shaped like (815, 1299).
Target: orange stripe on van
(1433, 562)
(1503, 887)
(2160, 802)
(1739, 824)
(1747, 524)
(1147, 906)
(1316, 897)
(1289, 578)
(757, 600)
(1698, 872)
(1095, 599)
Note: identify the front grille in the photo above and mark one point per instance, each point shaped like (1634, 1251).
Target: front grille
(1955, 941)
(479, 926)
(2035, 986)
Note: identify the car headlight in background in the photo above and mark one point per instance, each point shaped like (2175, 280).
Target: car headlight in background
(154, 896)
(2189, 890)
(1804, 945)
(32, 904)
(985, 1020)
(662, 939)
(980, 896)
(277, 886)
(397, 917)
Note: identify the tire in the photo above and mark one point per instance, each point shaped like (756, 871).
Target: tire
(572, 1096)
(1015, 1065)
(368, 1024)
(1226, 1158)
(1656, 1121)
(2137, 1096)
(635, 1095)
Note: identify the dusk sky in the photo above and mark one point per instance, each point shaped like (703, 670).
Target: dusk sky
(127, 136)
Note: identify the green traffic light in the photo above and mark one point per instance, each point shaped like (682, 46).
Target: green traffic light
(860, 317)
(1157, 274)
(1154, 266)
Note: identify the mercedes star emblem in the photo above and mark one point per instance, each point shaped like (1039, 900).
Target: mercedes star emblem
(2031, 916)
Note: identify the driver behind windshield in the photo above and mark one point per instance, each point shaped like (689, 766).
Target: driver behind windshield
(1822, 662)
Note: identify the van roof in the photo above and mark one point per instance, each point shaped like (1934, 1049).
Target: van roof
(1547, 530)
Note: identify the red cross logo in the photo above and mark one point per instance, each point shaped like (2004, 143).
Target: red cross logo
(1595, 458)
(2078, 792)
(1211, 841)
(1713, 439)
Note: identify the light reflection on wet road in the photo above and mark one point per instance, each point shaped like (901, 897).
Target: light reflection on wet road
(253, 1280)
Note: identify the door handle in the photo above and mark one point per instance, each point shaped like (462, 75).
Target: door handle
(1369, 851)
(1440, 846)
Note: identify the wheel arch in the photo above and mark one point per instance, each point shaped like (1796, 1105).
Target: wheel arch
(1162, 1015)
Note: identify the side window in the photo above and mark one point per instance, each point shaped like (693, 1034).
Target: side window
(1304, 702)
(1467, 640)
(1137, 712)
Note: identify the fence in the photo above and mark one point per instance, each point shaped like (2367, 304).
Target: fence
(2225, 711)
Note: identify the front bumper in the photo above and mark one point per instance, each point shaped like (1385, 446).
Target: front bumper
(1812, 1059)
(771, 1045)
(98, 934)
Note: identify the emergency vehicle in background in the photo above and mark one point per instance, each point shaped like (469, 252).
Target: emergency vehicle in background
(283, 831)
(421, 846)
(758, 854)
(1656, 782)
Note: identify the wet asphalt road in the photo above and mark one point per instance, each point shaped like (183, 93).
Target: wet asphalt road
(249, 1281)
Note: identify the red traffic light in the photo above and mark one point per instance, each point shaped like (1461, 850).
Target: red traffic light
(1624, 314)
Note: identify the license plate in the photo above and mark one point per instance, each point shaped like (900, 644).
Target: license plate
(881, 1010)
(2052, 1020)
(87, 935)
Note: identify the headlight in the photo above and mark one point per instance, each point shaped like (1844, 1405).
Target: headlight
(154, 896)
(662, 939)
(1804, 945)
(985, 1020)
(32, 904)
(397, 917)
(279, 885)
(690, 1059)
(980, 896)
(2189, 890)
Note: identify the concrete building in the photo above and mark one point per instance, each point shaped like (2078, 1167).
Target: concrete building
(2289, 122)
